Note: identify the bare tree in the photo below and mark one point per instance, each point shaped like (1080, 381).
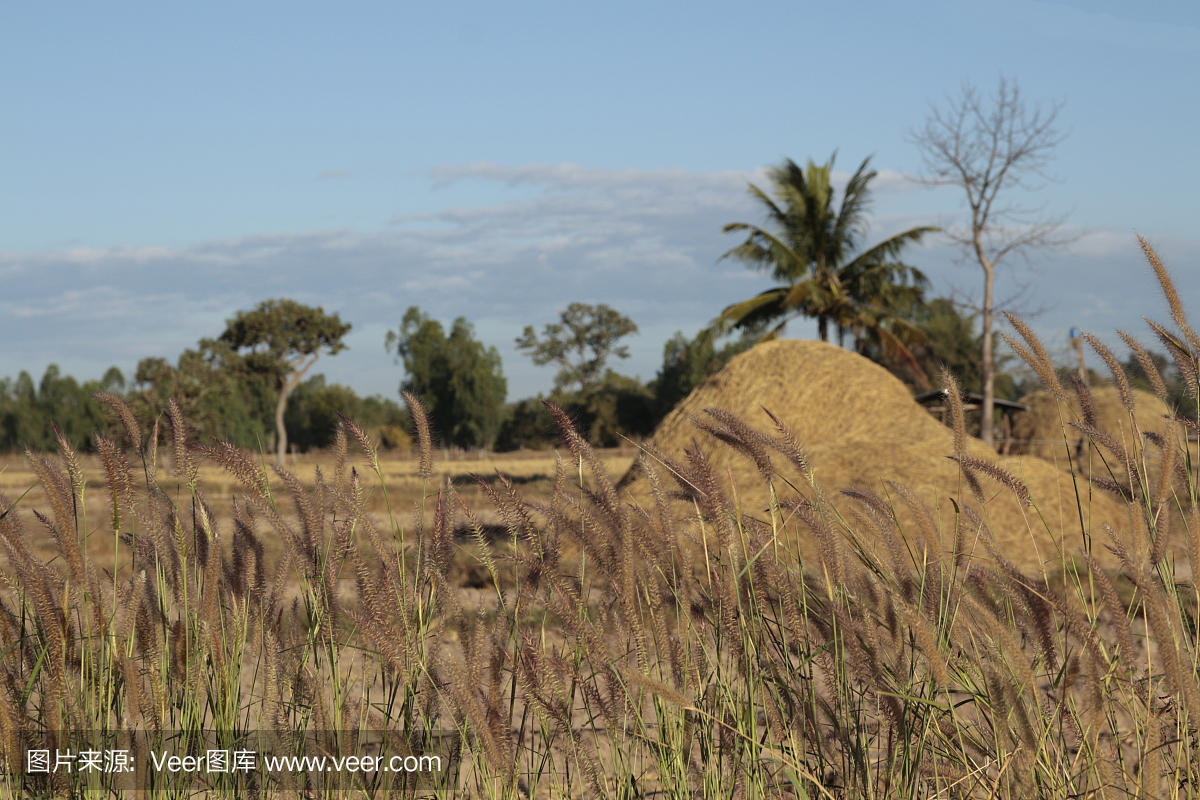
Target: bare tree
(989, 146)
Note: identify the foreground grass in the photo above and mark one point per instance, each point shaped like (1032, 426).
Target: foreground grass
(532, 471)
(679, 650)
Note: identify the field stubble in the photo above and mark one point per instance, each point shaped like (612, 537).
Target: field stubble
(403, 489)
(574, 645)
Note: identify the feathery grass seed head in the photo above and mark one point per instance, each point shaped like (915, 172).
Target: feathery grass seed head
(1114, 366)
(954, 398)
(1147, 365)
(424, 436)
(1185, 361)
(185, 465)
(1041, 362)
(1169, 292)
(132, 430)
(1087, 406)
(740, 436)
(787, 444)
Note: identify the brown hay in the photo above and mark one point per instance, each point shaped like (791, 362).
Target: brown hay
(860, 427)
(1040, 433)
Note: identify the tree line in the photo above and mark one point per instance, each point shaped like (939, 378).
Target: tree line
(248, 385)
(217, 398)
(233, 387)
(233, 393)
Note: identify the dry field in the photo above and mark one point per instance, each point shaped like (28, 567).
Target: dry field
(400, 470)
(695, 644)
(847, 600)
(531, 471)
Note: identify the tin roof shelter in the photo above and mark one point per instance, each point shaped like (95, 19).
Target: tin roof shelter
(935, 401)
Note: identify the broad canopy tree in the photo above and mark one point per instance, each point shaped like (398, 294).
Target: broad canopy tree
(222, 394)
(808, 245)
(285, 338)
(689, 362)
(580, 343)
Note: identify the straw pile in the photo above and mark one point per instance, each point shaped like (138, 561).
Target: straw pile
(860, 427)
(1043, 432)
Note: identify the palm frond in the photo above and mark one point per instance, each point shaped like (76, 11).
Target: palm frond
(851, 220)
(757, 310)
(895, 337)
(891, 247)
(811, 297)
(774, 212)
(764, 250)
(805, 245)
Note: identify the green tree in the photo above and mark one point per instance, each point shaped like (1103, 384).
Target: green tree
(807, 244)
(28, 411)
(688, 362)
(312, 414)
(19, 415)
(581, 343)
(222, 394)
(951, 342)
(287, 338)
(460, 381)
(154, 383)
(612, 409)
(62, 401)
(526, 425)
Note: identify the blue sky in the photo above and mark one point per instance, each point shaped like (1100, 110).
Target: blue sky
(164, 164)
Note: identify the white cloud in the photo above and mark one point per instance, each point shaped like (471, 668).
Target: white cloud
(571, 177)
(643, 241)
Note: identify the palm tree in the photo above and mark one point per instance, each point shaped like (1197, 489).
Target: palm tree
(806, 246)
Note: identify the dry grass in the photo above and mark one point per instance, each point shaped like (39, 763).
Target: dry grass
(861, 429)
(400, 470)
(676, 648)
(1040, 425)
(405, 489)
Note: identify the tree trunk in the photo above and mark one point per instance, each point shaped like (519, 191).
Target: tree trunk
(987, 365)
(280, 430)
(823, 328)
(299, 369)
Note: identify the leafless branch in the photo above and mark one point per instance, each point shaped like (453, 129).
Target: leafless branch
(989, 146)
